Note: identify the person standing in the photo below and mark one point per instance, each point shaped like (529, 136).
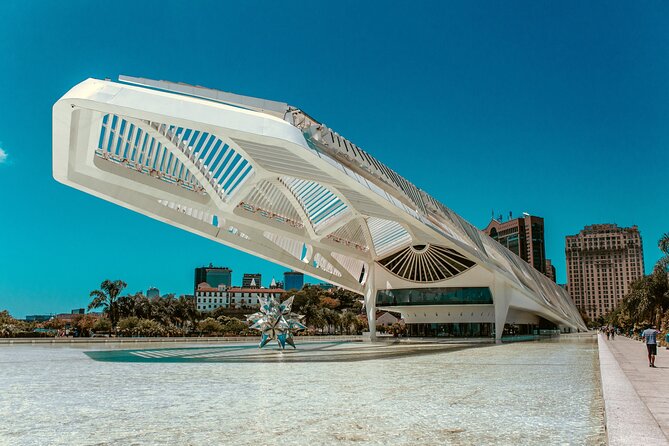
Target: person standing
(650, 336)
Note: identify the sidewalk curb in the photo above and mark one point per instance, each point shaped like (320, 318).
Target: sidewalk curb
(628, 420)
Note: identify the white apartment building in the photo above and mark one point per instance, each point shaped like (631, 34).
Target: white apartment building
(208, 298)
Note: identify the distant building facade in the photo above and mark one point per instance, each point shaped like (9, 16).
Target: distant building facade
(602, 261)
(209, 298)
(386, 318)
(550, 271)
(293, 280)
(522, 236)
(38, 317)
(152, 292)
(252, 280)
(213, 275)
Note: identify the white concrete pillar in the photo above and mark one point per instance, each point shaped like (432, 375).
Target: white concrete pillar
(500, 299)
(370, 303)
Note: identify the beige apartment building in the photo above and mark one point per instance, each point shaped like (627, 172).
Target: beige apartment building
(602, 261)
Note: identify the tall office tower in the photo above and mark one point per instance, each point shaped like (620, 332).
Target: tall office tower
(550, 270)
(602, 262)
(215, 276)
(252, 280)
(293, 280)
(523, 236)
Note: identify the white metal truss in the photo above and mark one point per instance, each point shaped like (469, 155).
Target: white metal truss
(322, 206)
(387, 235)
(426, 263)
(266, 178)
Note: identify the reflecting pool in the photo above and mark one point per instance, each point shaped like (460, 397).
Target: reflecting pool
(534, 393)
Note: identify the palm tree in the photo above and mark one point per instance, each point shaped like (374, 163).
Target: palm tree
(348, 320)
(663, 244)
(107, 297)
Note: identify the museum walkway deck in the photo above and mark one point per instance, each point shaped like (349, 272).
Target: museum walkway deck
(636, 396)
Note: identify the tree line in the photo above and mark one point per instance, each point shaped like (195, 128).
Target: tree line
(648, 299)
(325, 312)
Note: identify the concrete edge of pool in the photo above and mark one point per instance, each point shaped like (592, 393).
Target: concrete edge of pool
(628, 420)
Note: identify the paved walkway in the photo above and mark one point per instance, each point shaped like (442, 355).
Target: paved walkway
(636, 396)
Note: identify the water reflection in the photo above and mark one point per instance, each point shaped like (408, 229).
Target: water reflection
(534, 393)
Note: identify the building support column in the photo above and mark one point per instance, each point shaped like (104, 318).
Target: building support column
(370, 303)
(501, 302)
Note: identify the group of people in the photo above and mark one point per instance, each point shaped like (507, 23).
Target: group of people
(649, 336)
(609, 331)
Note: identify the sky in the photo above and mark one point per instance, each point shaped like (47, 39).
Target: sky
(558, 109)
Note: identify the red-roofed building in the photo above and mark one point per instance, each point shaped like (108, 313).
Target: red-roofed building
(208, 298)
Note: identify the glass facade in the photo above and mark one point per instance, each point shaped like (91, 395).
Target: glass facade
(434, 296)
(214, 276)
(461, 330)
(219, 277)
(293, 280)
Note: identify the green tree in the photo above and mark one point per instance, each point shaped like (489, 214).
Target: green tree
(210, 326)
(234, 326)
(85, 323)
(10, 327)
(329, 302)
(331, 319)
(55, 323)
(348, 321)
(103, 325)
(348, 299)
(648, 299)
(128, 326)
(663, 244)
(106, 297)
(148, 327)
(308, 296)
(187, 313)
(396, 329)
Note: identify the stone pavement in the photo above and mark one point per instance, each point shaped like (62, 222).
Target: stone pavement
(636, 396)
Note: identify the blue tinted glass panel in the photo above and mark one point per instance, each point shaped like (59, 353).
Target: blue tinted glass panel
(434, 296)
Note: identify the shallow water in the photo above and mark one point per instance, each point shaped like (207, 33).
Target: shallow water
(535, 393)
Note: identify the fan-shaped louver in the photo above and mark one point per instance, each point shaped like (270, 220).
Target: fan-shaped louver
(426, 263)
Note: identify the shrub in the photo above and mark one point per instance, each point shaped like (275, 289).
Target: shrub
(210, 326)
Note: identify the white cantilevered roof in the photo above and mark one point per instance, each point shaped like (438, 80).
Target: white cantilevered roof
(266, 178)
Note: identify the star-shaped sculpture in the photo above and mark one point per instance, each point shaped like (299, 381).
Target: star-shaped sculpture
(275, 321)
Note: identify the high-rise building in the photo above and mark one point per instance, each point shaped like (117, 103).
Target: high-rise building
(523, 236)
(152, 292)
(550, 271)
(602, 262)
(214, 276)
(252, 280)
(293, 280)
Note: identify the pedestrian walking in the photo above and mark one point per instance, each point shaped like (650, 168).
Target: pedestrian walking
(666, 340)
(608, 333)
(650, 336)
(613, 333)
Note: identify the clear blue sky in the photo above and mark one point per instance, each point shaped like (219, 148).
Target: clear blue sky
(559, 109)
